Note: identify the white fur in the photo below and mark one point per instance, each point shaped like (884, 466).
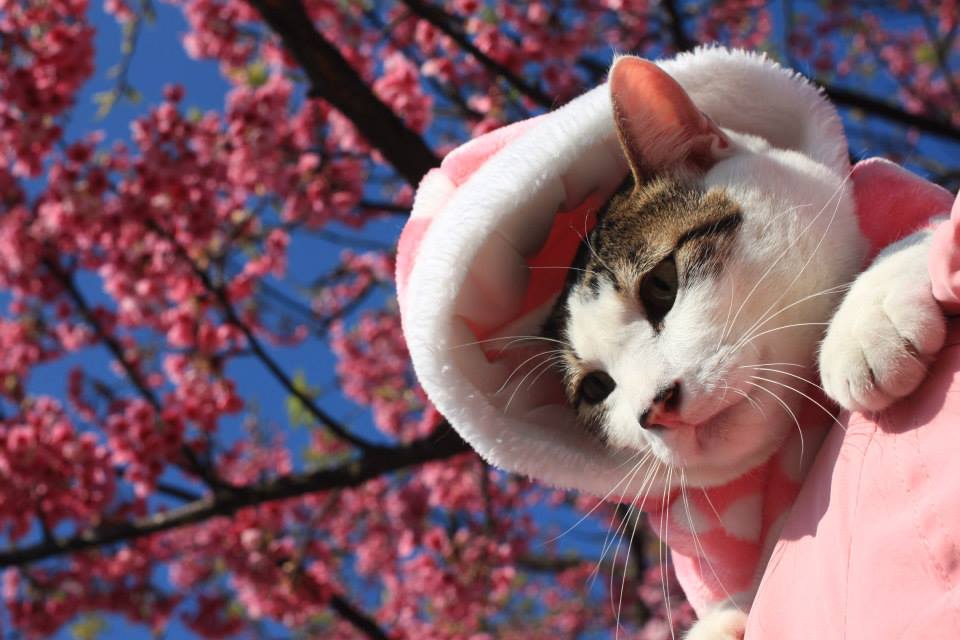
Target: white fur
(799, 237)
(722, 623)
(885, 332)
(571, 148)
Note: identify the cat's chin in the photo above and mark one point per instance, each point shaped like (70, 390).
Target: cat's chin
(717, 450)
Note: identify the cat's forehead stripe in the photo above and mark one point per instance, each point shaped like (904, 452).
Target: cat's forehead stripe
(725, 225)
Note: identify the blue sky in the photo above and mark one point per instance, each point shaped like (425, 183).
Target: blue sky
(159, 60)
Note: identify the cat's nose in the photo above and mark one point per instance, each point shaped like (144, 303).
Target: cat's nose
(663, 411)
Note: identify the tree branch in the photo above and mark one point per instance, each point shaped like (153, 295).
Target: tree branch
(388, 207)
(176, 492)
(441, 20)
(226, 306)
(887, 111)
(941, 48)
(443, 444)
(681, 41)
(361, 621)
(333, 79)
(548, 564)
(840, 96)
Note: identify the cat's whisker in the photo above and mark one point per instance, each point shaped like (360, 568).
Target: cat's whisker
(763, 277)
(813, 253)
(513, 340)
(728, 325)
(753, 330)
(701, 555)
(831, 414)
(603, 500)
(564, 268)
(767, 318)
(726, 321)
(552, 353)
(649, 475)
(626, 563)
(585, 239)
(706, 496)
(746, 396)
(624, 523)
(786, 373)
(787, 409)
(640, 500)
(664, 554)
(642, 495)
(556, 358)
(787, 249)
(780, 328)
(774, 364)
(556, 361)
(716, 513)
(698, 545)
(607, 543)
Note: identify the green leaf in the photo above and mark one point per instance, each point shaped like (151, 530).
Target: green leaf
(257, 73)
(104, 101)
(489, 15)
(925, 53)
(89, 627)
(297, 412)
(235, 610)
(132, 95)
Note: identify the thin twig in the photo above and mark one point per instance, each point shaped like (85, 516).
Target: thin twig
(441, 20)
(133, 374)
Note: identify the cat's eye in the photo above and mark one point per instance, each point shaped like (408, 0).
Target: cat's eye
(658, 289)
(596, 386)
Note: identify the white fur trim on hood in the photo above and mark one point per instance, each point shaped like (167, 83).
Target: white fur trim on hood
(462, 263)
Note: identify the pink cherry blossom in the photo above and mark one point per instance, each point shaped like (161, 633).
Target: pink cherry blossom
(149, 282)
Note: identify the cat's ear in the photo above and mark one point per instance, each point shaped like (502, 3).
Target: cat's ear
(659, 126)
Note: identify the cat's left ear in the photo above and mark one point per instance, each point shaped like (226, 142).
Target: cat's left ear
(659, 126)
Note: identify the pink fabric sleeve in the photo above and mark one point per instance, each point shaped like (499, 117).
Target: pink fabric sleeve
(945, 261)
(872, 547)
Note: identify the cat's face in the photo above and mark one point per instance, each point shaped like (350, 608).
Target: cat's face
(696, 305)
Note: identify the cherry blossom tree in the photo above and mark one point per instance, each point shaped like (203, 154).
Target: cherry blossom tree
(150, 274)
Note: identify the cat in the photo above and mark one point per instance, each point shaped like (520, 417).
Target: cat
(722, 257)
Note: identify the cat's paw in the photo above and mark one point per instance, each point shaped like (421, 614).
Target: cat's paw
(885, 332)
(719, 624)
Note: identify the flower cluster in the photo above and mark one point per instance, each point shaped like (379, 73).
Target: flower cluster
(46, 53)
(143, 277)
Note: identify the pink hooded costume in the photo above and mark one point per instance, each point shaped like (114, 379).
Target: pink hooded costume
(869, 548)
